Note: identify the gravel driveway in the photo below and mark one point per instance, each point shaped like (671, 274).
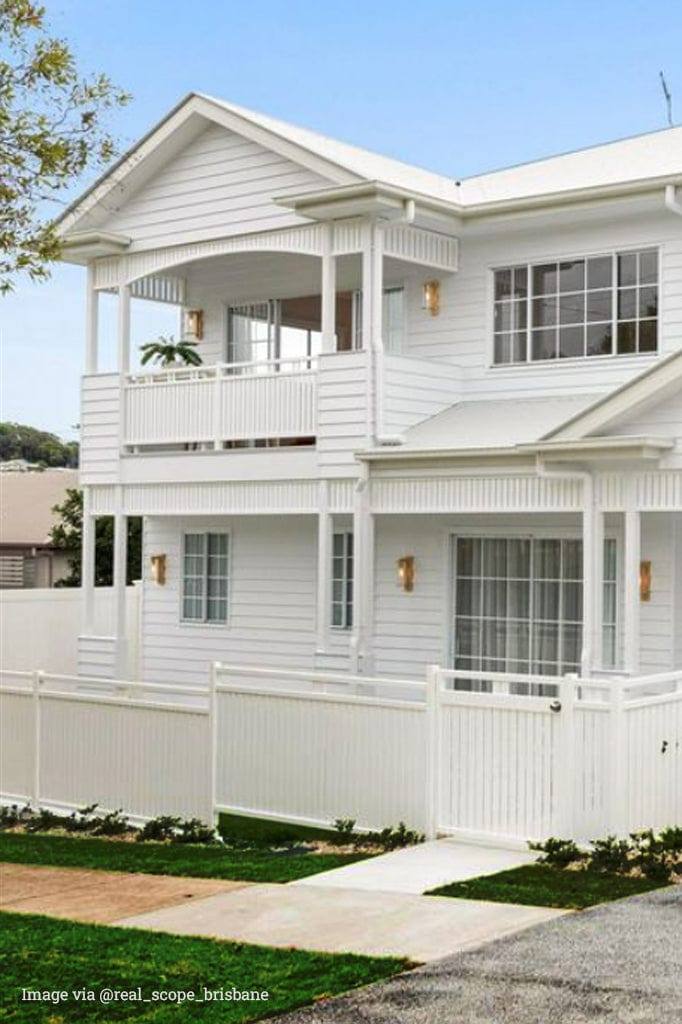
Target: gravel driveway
(620, 963)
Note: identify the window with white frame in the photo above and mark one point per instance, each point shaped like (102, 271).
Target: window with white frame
(342, 580)
(518, 605)
(205, 575)
(569, 309)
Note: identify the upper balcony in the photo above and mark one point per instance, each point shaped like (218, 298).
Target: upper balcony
(314, 357)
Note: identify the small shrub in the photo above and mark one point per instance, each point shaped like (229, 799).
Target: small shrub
(82, 820)
(610, 855)
(158, 829)
(559, 853)
(112, 824)
(193, 830)
(43, 821)
(13, 815)
(345, 829)
(392, 838)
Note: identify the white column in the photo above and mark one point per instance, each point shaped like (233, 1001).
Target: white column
(91, 323)
(120, 564)
(598, 584)
(590, 529)
(324, 556)
(363, 568)
(631, 610)
(372, 287)
(124, 328)
(88, 566)
(328, 291)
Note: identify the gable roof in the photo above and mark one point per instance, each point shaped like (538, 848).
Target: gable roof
(657, 383)
(649, 158)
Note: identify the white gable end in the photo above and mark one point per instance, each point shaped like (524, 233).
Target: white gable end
(220, 184)
(656, 419)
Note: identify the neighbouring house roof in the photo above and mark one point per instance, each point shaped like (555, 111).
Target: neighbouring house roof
(649, 158)
(492, 423)
(26, 501)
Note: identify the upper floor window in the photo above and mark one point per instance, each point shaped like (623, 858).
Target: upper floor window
(600, 305)
(205, 577)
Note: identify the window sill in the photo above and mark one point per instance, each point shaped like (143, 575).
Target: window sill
(637, 359)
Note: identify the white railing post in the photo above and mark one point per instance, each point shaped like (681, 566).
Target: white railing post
(432, 752)
(616, 809)
(564, 764)
(213, 741)
(217, 409)
(38, 679)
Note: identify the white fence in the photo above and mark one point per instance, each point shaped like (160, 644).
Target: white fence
(41, 627)
(225, 402)
(68, 742)
(497, 765)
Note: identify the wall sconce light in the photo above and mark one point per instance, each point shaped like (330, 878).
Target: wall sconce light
(158, 563)
(431, 297)
(194, 323)
(645, 581)
(406, 572)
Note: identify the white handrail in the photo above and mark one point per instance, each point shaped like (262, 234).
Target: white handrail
(266, 368)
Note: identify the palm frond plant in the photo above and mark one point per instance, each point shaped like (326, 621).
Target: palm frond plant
(168, 352)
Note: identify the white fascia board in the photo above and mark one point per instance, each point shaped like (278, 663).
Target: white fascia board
(662, 377)
(325, 203)
(83, 246)
(621, 447)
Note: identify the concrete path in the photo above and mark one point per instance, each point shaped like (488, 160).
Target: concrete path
(101, 896)
(330, 919)
(419, 868)
(615, 964)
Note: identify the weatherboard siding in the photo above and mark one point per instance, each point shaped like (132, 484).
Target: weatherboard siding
(462, 332)
(221, 184)
(272, 591)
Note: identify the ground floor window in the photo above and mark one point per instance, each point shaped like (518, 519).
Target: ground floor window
(342, 580)
(518, 604)
(205, 577)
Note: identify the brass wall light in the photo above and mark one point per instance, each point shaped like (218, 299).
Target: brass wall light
(645, 581)
(194, 323)
(431, 297)
(406, 573)
(158, 563)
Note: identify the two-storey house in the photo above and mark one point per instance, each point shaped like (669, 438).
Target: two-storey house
(435, 420)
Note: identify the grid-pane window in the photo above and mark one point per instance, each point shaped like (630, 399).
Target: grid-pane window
(205, 577)
(342, 580)
(609, 620)
(518, 605)
(570, 309)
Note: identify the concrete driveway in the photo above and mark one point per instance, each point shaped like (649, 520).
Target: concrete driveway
(620, 963)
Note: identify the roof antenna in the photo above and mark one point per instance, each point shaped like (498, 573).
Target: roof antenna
(668, 98)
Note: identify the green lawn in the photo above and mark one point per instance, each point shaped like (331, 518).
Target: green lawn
(540, 885)
(256, 865)
(266, 831)
(48, 955)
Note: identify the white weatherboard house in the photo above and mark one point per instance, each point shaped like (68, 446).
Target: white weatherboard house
(421, 501)
(436, 421)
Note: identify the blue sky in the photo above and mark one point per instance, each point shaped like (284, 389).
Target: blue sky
(460, 88)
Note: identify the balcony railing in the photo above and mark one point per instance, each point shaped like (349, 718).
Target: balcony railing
(214, 406)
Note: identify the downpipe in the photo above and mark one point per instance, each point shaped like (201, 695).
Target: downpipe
(672, 203)
(589, 522)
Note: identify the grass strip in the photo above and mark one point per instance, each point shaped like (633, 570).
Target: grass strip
(43, 954)
(259, 865)
(540, 885)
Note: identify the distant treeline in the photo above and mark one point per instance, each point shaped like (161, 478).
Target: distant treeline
(18, 441)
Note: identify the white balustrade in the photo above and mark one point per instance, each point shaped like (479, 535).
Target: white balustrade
(211, 405)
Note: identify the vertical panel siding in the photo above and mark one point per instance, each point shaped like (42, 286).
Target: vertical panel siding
(221, 184)
(318, 751)
(661, 617)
